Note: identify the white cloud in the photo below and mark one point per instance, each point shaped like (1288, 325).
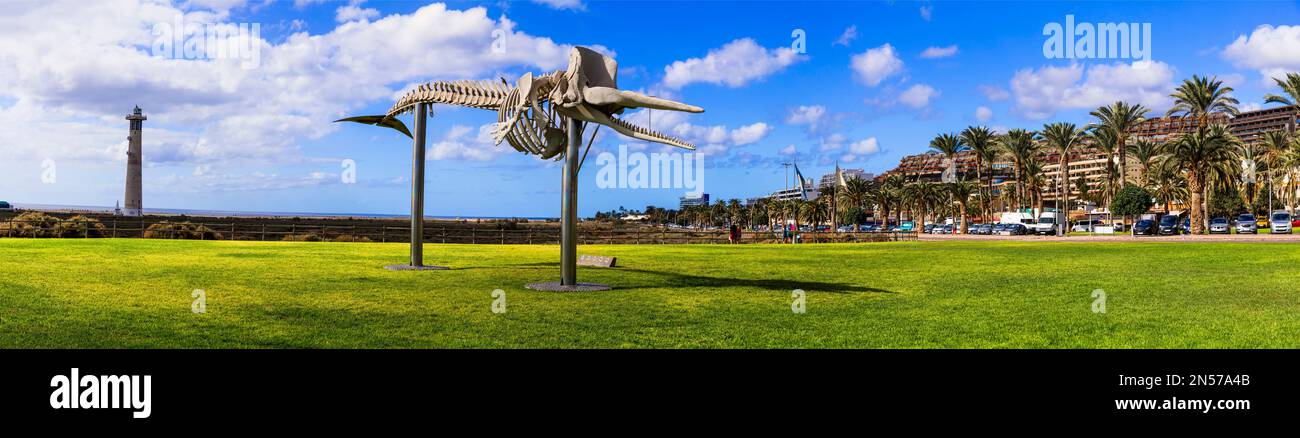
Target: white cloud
(208, 182)
(788, 150)
(576, 5)
(846, 38)
(735, 64)
(983, 114)
(859, 150)
(1040, 93)
(220, 6)
(875, 65)
(714, 139)
(812, 116)
(918, 96)
(926, 12)
(994, 93)
(1272, 51)
(457, 146)
(354, 12)
(865, 147)
(939, 52)
(750, 133)
(213, 110)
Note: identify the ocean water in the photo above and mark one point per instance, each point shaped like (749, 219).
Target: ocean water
(231, 213)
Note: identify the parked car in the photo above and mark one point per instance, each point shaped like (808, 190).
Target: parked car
(1280, 223)
(1015, 230)
(984, 229)
(1086, 225)
(906, 227)
(949, 228)
(1145, 227)
(929, 229)
(1187, 225)
(1246, 224)
(1169, 226)
(1220, 225)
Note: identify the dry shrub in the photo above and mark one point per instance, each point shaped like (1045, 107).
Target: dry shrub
(351, 238)
(32, 224)
(309, 237)
(180, 230)
(80, 226)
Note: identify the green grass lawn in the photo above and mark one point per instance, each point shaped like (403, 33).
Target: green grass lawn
(965, 294)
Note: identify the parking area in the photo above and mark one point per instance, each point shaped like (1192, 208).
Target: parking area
(1125, 237)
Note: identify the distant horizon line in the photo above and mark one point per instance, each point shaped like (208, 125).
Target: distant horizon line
(239, 213)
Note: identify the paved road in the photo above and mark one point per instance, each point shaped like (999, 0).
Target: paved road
(1125, 237)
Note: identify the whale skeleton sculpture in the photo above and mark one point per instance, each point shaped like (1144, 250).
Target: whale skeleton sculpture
(541, 115)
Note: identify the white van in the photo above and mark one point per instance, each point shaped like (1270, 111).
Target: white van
(1016, 218)
(1047, 223)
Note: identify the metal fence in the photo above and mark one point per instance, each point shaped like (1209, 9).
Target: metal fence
(432, 234)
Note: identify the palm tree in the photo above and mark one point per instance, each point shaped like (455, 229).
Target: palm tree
(921, 196)
(718, 213)
(1247, 189)
(1119, 118)
(948, 145)
(1104, 140)
(759, 209)
(1167, 185)
(1020, 146)
(1290, 161)
(1202, 96)
(1035, 179)
(1274, 146)
(1062, 138)
(793, 207)
(1291, 87)
(829, 195)
(1197, 154)
(980, 141)
(891, 197)
(855, 193)
(961, 192)
(1145, 151)
(1086, 193)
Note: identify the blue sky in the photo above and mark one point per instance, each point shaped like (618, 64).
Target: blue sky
(875, 81)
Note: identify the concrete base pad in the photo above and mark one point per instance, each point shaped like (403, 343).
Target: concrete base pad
(555, 286)
(415, 268)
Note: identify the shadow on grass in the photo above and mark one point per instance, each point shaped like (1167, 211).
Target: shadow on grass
(677, 279)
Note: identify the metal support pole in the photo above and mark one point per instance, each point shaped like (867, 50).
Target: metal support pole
(569, 207)
(417, 186)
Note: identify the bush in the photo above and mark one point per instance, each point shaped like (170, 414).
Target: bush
(309, 237)
(180, 230)
(1131, 201)
(80, 226)
(351, 238)
(32, 224)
